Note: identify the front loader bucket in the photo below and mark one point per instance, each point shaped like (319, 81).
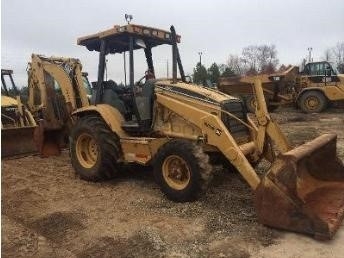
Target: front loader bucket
(17, 141)
(304, 190)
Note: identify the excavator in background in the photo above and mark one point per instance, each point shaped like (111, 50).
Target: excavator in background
(57, 87)
(175, 126)
(312, 90)
(17, 123)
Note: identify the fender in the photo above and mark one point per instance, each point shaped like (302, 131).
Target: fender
(111, 116)
(330, 92)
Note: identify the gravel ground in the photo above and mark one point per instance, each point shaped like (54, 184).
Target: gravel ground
(47, 211)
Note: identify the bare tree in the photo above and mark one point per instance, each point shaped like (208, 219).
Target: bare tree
(267, 56)
(328, 55)
(250, 56)
(338, 54)
(236, 64)
(254, 59)
(260, 58)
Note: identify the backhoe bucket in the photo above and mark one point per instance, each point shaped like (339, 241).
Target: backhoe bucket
(304, 190)
(17, 141)
(47, 141)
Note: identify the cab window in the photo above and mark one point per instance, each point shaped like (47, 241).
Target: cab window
(316, 69)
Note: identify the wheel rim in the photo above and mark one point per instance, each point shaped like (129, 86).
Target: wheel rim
(312, 103)
(87, 150)
(176, 172)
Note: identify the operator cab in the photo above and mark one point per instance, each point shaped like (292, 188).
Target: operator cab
(135, 102)
(8, 88)
(321, 72)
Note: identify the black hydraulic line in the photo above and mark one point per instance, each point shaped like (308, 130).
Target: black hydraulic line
(131, 78)
(174, 55)
(131, 62)
(148, 54)
(101, 70)
(179, 61)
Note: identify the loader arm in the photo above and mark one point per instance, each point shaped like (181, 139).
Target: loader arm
(215, 134)
(266, 126)
(305, 185)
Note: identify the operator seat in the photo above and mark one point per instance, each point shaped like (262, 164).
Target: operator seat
(144, 101)
(109, 96)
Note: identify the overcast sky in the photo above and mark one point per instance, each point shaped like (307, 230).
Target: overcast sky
(217, 28)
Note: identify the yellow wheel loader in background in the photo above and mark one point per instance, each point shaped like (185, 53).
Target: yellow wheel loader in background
(312, 90)
(175, 126)
(17, 123)
(57, 87)
(319, 85)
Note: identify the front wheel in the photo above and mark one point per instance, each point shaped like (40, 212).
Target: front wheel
(182, 170)
(312, 102)
(94, 149)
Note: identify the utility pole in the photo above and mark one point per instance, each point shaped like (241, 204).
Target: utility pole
(200, 57)
(309, 54)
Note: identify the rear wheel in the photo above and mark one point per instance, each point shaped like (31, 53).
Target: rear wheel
(94, 149)
(182, 170)
(312, 102)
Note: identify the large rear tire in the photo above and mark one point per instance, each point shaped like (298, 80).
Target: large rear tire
(94, 149)
(182, 170)
(312, 102)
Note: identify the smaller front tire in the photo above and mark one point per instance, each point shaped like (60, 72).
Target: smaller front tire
(182, 170)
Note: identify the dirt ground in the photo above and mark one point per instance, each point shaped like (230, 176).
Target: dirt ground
(47, 211)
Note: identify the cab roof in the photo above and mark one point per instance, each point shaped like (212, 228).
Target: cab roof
(118, 38)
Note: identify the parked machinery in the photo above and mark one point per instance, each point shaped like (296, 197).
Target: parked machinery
(17, 123)
(312, 89)
(57, 87)
(175, 126)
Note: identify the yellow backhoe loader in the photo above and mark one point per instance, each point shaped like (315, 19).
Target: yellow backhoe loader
(175, 126)
(17, 123)
(57, 87)
(314, 88)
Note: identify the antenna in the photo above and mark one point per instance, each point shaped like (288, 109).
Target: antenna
(128, 18)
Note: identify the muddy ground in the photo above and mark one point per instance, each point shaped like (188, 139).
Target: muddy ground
(47, 211)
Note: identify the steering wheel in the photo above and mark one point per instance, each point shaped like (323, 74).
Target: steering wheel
(140, 81)
(148, 75)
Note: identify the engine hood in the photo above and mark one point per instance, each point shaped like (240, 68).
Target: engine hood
(193, 91)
